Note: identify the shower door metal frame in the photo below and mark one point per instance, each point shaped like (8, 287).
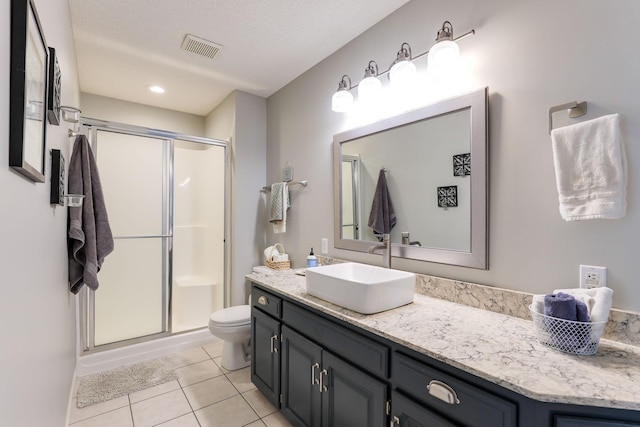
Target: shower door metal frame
(90, 128)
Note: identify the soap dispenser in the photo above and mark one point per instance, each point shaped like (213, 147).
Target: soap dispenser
(312, 260)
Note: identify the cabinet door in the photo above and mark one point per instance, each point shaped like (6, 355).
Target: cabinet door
(406, 413)
(301, 361)
(352, 398)
(265, 358)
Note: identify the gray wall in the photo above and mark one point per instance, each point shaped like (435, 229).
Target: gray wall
(241, 118)
(37, 312)
(116, 110)
(532, 55)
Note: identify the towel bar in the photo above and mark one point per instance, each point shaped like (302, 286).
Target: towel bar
(576, 109)
(303, 183)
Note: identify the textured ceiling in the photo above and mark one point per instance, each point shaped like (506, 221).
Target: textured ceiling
(124, 45)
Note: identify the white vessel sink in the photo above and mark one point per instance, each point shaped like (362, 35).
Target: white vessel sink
(364, 288)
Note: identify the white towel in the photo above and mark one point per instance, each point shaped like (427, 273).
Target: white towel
(600, 300)
(279, 206)
(590, 169)
(537, 304)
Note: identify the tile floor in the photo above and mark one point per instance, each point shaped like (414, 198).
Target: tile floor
(204, 395)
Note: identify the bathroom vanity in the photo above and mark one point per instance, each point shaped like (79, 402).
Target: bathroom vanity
(428, 363)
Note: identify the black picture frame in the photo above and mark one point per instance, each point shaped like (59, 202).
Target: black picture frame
(28, 100)
(57, 177)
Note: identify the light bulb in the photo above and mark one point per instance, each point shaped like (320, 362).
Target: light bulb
(369, 90)
(444, 58)
(402, 74)
(342, 101)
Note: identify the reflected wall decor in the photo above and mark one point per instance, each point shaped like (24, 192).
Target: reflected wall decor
(28, 103)
(462, 164)
(53, 92)
(448, 196)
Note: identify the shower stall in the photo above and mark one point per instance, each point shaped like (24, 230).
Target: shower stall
(167, 198)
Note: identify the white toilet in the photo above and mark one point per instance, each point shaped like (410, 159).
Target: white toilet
(233, 326)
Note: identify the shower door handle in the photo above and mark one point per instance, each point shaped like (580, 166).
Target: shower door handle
(274, 340)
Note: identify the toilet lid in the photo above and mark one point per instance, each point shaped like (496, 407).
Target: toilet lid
(239, 314)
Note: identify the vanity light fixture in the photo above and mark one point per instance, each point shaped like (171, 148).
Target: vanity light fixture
(342, 100)
(443, 58)
(403, 70)
(370, 86)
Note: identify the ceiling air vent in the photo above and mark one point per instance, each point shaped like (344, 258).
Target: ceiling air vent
(200, 46)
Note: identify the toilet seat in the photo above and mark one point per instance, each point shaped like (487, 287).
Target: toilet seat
(239, 315)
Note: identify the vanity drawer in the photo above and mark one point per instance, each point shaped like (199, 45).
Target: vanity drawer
(361, 351)
(266, 302)
(463, 402)
(562, 421)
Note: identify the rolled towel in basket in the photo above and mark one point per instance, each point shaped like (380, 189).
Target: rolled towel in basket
(537, 303)
(601, 304)
(560, 305)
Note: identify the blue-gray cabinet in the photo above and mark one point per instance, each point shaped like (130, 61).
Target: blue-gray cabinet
(320, 389)
(321, 371)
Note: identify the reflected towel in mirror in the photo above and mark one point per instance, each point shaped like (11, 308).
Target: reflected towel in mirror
(382, 217)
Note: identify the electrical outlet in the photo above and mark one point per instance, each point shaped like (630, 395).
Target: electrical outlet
(592, 276)
(325, 246)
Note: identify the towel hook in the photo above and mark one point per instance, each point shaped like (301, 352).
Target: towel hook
(576, 109)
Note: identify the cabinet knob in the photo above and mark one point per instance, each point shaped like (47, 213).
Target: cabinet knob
(443, 391)
(263, 300)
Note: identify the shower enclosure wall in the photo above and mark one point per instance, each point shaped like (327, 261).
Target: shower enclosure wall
(166, 200)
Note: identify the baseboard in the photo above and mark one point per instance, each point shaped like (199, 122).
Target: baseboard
(110, 359)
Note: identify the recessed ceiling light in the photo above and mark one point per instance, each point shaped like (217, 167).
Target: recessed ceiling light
(155, 89)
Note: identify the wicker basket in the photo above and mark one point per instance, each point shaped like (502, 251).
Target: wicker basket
(567, 335)
(277, 265)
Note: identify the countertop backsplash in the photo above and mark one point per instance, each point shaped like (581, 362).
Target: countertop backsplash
(623, 326)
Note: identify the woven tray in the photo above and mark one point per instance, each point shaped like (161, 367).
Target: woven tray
(277, 265)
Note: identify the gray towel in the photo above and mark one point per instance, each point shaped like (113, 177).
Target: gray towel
(89, 235)
(382, 217)
(277, 210)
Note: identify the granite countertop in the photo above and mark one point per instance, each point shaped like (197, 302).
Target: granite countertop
(496, 347)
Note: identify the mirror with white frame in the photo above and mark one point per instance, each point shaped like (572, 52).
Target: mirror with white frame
(435, 163)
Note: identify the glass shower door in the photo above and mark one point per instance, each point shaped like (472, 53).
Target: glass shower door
(131, 301)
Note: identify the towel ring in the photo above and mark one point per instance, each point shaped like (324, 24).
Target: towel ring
(576, 109)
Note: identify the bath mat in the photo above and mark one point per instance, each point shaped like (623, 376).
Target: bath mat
(118, 382)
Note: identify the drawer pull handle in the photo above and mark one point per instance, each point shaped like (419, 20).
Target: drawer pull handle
(323, 387)
(274, 340)
(395, 421)
(314, 380)
(263, 300)
(443, 391)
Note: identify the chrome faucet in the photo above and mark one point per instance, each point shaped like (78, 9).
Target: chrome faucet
(386, 247)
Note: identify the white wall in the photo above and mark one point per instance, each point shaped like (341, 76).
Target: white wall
(532, 55)
(242, 119)
(37, 312)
